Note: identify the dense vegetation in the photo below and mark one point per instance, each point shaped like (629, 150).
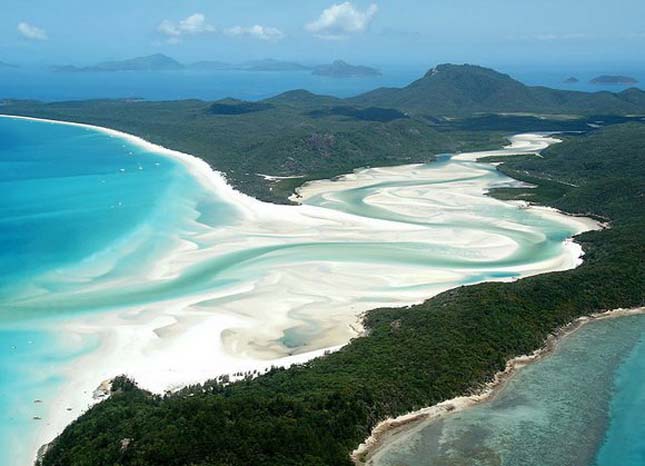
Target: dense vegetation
(467, 89)
(279, 136)
(315, 414)
(311, 136)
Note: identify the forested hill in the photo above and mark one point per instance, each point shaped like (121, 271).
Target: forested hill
(458, 90)
(309, 136)
(317, 413)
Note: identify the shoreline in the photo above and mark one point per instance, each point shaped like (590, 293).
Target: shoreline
(391, 427)
(216, 181)
(197, 166)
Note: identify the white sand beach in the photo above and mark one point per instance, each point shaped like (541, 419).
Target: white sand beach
(284, 284)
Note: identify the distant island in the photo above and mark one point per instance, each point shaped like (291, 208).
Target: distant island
(209, 65)
(156, 62)
(571, 80)
(341, 69)
(161, 62)
(272, 65)
(608, 79)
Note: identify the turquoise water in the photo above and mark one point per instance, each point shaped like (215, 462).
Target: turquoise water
(56, 208)
(29, 361)
(77, 207)
(582, 405)
(99, 237)
(70, 193)
(623, 442)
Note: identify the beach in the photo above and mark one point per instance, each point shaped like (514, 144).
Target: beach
(277, 285)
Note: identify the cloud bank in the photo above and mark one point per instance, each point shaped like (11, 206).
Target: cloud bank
(341, 20)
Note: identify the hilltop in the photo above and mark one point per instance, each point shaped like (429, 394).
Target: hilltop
(466, 89)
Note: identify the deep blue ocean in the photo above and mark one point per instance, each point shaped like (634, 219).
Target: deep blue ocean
(41, 84)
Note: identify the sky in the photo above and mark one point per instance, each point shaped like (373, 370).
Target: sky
(313, 31)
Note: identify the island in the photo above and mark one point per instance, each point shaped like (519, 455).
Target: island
(341, 69)
(211, 65)
(571, 80)
(156, 62)
(614, 80)
(270, 64)
(161, 62)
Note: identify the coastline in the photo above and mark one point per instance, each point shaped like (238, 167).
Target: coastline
(217, 181)
(197, 166)
(391, 427)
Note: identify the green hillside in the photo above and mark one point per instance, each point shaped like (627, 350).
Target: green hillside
(459, 90)
(311, 136)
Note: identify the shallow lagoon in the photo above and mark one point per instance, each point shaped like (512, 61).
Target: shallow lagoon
(582, 405)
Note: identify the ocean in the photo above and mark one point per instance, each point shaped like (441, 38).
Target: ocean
(42, 84)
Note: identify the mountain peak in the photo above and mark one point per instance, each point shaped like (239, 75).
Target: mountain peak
(302, 97)
(159, 55)
(454, 90)
(464, 69)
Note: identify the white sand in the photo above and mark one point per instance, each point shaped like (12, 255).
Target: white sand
(521, 144)
(235, 328)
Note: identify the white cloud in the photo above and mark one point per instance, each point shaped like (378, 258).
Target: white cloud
(32, 32)
(257, 32)
(192, 25)
(342, 19)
